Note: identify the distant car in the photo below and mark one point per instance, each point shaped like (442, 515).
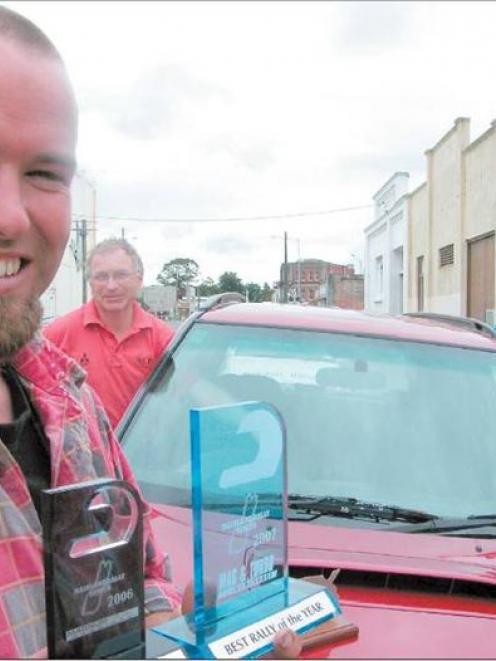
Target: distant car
(391, 427)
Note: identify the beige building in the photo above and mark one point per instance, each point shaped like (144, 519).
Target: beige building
(451, 227)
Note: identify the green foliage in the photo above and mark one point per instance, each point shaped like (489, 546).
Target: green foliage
(229, 281)
(183, 271)
(257, 294)
(179, 272)
(207, 288)
(254, 292)
(267, 292)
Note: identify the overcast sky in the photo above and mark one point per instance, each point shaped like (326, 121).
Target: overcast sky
(201, 110)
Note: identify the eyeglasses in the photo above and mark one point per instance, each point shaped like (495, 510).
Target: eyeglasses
(117, 276)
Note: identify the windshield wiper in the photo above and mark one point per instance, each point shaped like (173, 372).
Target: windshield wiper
(353, 508)
(404, 520)
(446, 525)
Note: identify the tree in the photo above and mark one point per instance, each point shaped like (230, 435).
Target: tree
(207, 288)
(229, 281)
(179, 272)
(267, 292)
(254, 292)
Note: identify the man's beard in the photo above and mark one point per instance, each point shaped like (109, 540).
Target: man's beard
(19, 321)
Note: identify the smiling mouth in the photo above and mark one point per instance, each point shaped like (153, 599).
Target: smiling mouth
(12, 266)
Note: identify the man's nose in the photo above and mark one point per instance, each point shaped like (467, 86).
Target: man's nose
(112, 282)
(14, 218)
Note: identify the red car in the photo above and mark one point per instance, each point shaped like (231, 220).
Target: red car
(391, 431)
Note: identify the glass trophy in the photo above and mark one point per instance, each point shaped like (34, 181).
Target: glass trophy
(242, 593)
(94, 585)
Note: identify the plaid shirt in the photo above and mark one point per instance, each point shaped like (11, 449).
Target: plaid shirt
(82, 447)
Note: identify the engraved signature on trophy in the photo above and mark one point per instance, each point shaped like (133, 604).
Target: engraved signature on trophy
(245, 538)
(246, 523)
(95, 591)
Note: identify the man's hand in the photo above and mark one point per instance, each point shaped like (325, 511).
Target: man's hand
(287, 645)
(209, 597)
(160, 617)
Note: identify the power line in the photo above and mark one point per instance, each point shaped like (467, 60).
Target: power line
(300, 214)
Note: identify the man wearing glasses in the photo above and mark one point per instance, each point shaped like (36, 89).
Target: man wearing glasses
(112, 337)
(53, 432)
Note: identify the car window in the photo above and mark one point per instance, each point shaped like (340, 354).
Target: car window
(387, 421)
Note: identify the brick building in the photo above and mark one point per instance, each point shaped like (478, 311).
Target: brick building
(317, 282)
(342, 291)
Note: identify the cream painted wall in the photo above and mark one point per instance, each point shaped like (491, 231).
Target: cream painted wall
(445, 188)
(418, 243)
(480, 200)
(457, 204)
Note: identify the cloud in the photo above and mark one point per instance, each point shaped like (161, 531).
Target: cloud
(382, 165)
(220, 244)
(154, 102)
(370, 28)
(249, 153)
(247, 109)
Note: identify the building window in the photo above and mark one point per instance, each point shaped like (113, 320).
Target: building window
(420, 283)
(446, 255)
(379, 276)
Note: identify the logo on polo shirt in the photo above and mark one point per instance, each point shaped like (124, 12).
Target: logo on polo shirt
(84, 360)
(144, 361)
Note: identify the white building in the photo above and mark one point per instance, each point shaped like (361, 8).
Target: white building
(386, 284)
(66, 290)
(161, 299)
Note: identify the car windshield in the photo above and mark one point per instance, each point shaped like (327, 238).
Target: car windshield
(400, 423)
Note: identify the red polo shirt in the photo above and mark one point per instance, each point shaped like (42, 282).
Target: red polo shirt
(115, 368)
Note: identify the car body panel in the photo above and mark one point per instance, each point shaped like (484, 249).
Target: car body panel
(325, 546)
(444, 614)
(394, 632)
(350, 322)
(392, 623)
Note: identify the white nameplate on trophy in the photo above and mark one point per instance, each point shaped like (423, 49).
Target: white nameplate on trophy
(175, 654)
(245, 641)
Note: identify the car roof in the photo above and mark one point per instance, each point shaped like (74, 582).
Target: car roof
(336, 320)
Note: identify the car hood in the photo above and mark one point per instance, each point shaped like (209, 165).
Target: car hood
(387, 551)
(418, 631)
(408, 594)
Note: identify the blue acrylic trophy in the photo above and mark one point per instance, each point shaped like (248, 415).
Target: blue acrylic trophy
(242, 592)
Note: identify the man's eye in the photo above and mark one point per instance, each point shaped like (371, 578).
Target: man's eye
(46, 174)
